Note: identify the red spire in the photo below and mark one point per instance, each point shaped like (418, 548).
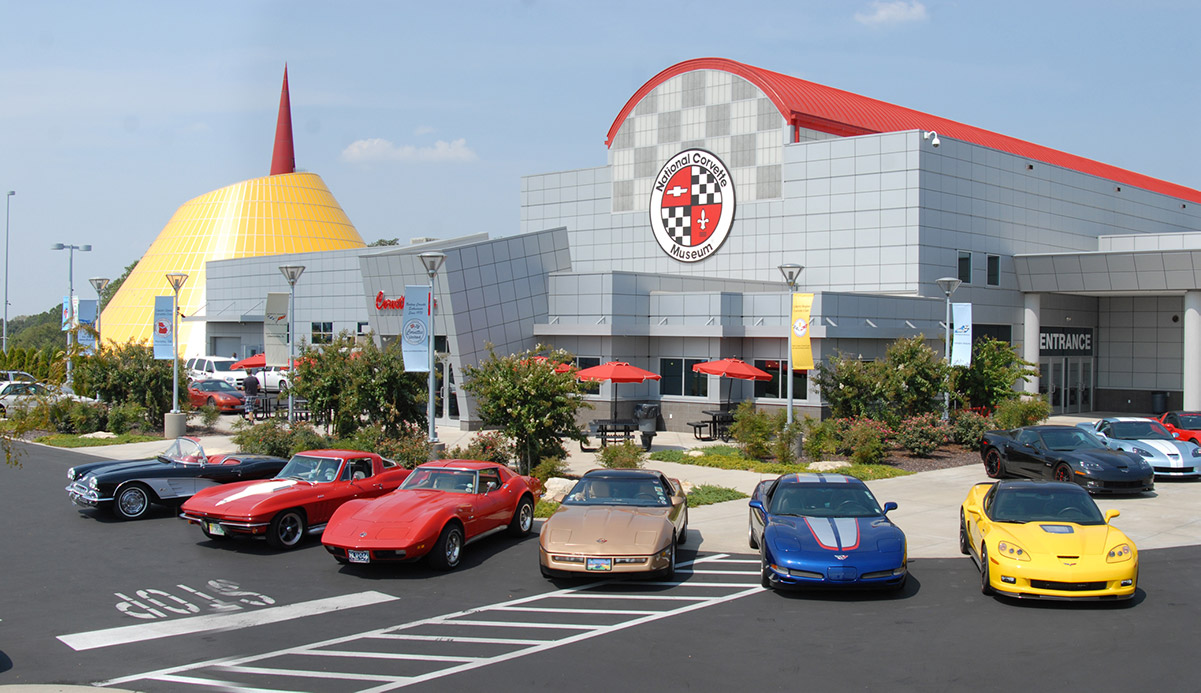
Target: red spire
(283, 158)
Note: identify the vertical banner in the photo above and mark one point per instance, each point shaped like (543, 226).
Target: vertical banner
(275, 329)
(85, 316)
(414, 329)
(68, 314)
(961, 335)
(162, 328)
(802, 350)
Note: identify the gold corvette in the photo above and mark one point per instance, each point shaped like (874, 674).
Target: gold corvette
(615, 521)
(1046, 540)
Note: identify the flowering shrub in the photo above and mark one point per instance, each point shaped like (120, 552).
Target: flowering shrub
(865, 440)
(922, 434)
(968, 426)
(627, 455)
(489, 446)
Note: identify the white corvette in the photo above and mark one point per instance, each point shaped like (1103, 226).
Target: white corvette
(1150, 440)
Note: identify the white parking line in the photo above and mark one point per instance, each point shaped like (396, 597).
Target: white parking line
(555, 610)
(392, 655)
(456, 638)
(200, 624)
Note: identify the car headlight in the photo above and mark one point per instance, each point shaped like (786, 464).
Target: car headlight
(665, 553)
(1196, 451)
(1140, 451)
(71, 474)
(92, 483)
(1092, 466)
(1119, 553)
(1009, 549)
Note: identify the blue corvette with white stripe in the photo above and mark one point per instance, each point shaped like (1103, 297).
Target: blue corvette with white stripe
(1147, 438)
(825, 530)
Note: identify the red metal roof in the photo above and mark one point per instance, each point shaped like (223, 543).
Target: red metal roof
(842, 113)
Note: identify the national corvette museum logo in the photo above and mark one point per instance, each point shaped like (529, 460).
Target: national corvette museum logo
(692, 205)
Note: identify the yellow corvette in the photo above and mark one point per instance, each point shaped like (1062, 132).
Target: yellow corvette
(1047, 540)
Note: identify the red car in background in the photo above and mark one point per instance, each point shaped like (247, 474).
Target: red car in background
(1185, 425)
(216, 393)
(300, 499)
(441, 507)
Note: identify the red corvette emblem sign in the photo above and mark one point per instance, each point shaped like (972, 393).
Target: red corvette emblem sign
(692, 205)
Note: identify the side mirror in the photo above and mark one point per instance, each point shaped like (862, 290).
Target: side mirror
(490, 487)
(1110, 514)
(889, 506)
(678, 500)
(757, 505)
(1101, 435)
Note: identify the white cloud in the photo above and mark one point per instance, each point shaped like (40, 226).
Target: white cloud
(895, 12)
(424, 130)
(376, 149)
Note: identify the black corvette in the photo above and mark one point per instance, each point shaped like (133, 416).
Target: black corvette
(128, 487)
(1064, 453)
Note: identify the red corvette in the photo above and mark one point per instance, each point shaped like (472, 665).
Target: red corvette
(300, 499)
(216, 393)
(442, 506)
(1184, 425)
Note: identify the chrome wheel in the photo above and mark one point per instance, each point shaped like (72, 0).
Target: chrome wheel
(132, 502)
(526, 517)
(286, 530)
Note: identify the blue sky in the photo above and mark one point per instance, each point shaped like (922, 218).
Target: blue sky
(422, 117)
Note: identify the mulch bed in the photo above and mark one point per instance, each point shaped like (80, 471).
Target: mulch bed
(942, 458)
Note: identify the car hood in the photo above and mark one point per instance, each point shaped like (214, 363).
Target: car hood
(1160, 448)
(1059, 538)
(122, 467)
(1110, 458)
(607, 529)
(241, 498)
(841, 534)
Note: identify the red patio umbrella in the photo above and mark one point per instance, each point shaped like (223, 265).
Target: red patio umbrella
(616, 372)
(251, 362)
(731, 368)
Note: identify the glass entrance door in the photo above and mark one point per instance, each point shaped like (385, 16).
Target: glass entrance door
(1067, 383)
(1055, 386)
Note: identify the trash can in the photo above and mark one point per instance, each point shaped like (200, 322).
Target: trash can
(648, 422)
(1159, 402)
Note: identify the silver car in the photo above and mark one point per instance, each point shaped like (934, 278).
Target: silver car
(1148, 439)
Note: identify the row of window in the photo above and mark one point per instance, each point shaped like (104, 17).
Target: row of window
(678, 378)
(992, 268)
(323, 332)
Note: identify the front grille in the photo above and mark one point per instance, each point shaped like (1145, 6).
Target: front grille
(1125, 484)
(1174, 470)
(1067, 586)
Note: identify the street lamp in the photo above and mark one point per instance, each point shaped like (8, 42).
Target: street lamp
(791, 272)
(70, 294)
(99, 284)
(7, 201)
(948, 286)
(292, 274)
(432, 261)
(176, 280)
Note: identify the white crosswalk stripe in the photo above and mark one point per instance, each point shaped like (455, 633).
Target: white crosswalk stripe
(500, 632)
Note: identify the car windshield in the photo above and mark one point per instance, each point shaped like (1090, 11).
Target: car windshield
(1190, 422)
(441, 479)
(1074, 439)
(1044, 504)
(312, 469)
(824, 500)
(184, 450)
(1139, 430)
(607, 490)
(215, 386)
(223, 364)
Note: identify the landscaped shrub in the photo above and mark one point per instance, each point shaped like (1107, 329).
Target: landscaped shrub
(549, 468)
(268, 438)
(124, 416)
(968, 426)
(69, 416)
(408, 449)
(783, 443)
(921, 434)
(209, 415)
(866, 440)
(752, 429)
(88, 417)
(1024, 411)
(627, 455)
(821, 438)
(489, 446)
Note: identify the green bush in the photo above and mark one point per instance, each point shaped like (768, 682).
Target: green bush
(1024, 411)
(125, 416)
(752, 429)
(409, 448)
(627, 455)
(549, 468)
(867, 441)
(209, 415)
(271, 437)
(783, 442)
(821, 438)
(545, 508)
(88, 417)
(707, 494)
(922, 434)
(968, 426)
(488, 446)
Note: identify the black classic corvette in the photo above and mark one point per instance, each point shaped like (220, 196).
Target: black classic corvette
(128, 487)
(1064, 453)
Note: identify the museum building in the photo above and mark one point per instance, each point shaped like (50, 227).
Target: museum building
(718, 172)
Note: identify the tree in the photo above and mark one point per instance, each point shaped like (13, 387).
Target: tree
(917, 377)
(851, 387)
(995, 369)
(129, 373)
(528, 401)
(383, 242)
(909, 381)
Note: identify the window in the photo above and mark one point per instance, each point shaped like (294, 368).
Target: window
(777, 386)
(323, 333)
(488, 477)
(965, 267)
(583, 362)
(678, 378)
(362, 328)
(994, 270)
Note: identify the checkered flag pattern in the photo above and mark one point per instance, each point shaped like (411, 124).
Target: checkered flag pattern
(677, 222)
(705, 190)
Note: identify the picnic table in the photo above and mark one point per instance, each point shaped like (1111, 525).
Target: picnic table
(611, 431)
(716, 426)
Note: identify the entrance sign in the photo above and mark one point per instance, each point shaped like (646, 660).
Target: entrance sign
(692, 205)
(162, 328)
(275, 329)
(414, 329)
(798, 334)
(961, 336)
(1065, 341)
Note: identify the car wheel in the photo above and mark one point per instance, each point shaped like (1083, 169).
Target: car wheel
(1063, 473)
(965, 547)
(132, 502)
(750, 535)
(985, 583)
(994, 467)
(523, 519)
(283, 387)
(286, 530)
(448, 550)
(211, 402)
(669, 573)
(683, 538)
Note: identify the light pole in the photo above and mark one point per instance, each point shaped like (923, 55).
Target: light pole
(791, 272)
(176, 280)
(948, 286)
(99, 284)
(7, 200)
(70, 294)
(432, 261)
(292, 274)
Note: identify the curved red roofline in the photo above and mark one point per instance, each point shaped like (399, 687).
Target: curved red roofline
(826, 109)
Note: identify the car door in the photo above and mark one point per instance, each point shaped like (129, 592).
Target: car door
(976, 517)
(1030, 455)
(493, 505)
(676, 514)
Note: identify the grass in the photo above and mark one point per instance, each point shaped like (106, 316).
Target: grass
(545, 508)
(71, 440)
(708, 495)
(728, 457)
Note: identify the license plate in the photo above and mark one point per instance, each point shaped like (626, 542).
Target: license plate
(359, 556)
(599, 564)
(215, 529)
